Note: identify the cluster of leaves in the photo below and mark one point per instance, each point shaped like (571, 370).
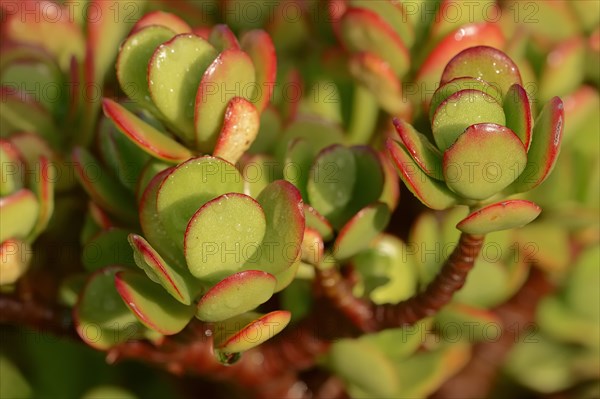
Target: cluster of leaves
(210, 191)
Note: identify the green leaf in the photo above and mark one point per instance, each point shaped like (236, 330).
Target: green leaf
(189, 186)
(486, 63)
(392, 14)
(364, 365)
(331, 182)
(315, 220)
(222, 38)
(16, 255)
(364, 30)
(108, 392)
(104, 189)
(152, 168)
(544, 148)
(461, 110)
(101, 318)
(499, 216)
(249, 330)
(258, 45)
(134, 57)
(240, 128)
(145, 136)
(151, 304)
(461, 83)
(318, 133)
(176, 281)
(357, 234)
(297, 164)
(236, 294)
(174, 74)
(483, 161)
(422, 151)
(429, 191)
(19, 214)
(109, 247)
(223, 235)
(283, 209)
(379, 78)
(230, 75)
(259, 171)
(470, 324)
(518, 113)
(487, 284)
(162, 19)
(286, 277)
(150, 222)
(424, 249)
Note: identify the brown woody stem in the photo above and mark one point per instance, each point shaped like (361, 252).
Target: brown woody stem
(369, 317)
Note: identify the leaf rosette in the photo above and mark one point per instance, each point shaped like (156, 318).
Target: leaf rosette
(484, 145)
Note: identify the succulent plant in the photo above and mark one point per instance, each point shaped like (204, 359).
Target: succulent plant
(208, 92)
(486, 145)
(26, 200)
(236, 190)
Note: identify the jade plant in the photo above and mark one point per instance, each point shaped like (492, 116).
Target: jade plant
(229, 197)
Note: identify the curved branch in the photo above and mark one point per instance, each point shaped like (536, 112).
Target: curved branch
(369, 317)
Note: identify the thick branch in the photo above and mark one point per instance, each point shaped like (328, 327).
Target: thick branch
(369, 317)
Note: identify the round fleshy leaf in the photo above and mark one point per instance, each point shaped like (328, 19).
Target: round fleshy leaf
(239, 130)
(369, 172)
(176, 281)
(162, 19)
(152, 168)
(103, 188)
(258, 171)
(581, 293)
(151, 304)
(287, 276)
(429, 74)
(544, 148)
(298, 161)
(393, 14)
(19, 214)
(363, 364)
(380, 79)
(152, 227)
(357, 234)
(312, 247)
(15, 256)
(145, 136)
(487, 284)
(108, 247)
(499, 216)
(174, 73)
(461, 110)
(258, 45)
(230, 75)
(283, 208)
(387, 274)
(429, 191)
(463, 83)
(317, 132)
(484, 62)
(518, 113)
(255, 329)
(133, 59)
(452, 14)
(424, 153)
(331, 181)
(236, 294)
(564, 70)
(315, 220)
(364, 30)
(421, 374)
(222, 38)
(484, 160)
(188, 187)
(101, 318)
(224, 234)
